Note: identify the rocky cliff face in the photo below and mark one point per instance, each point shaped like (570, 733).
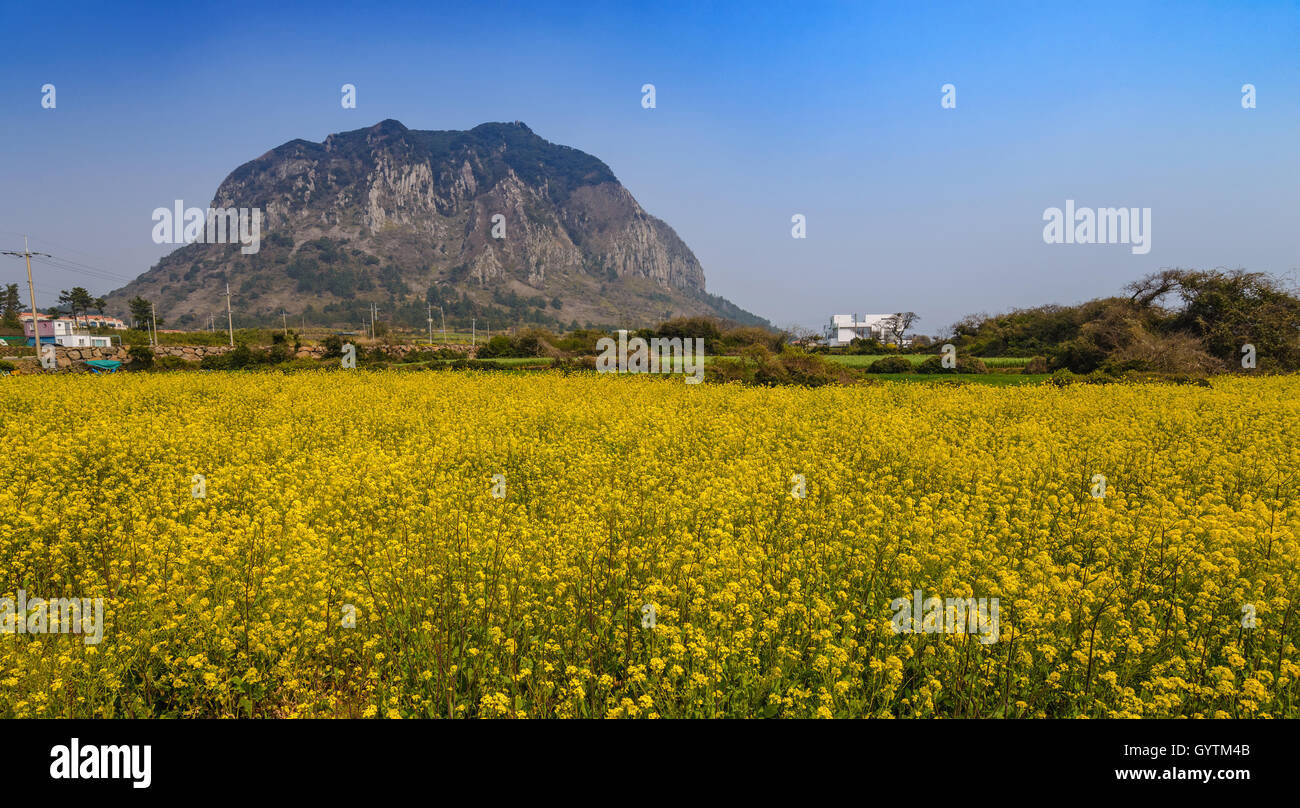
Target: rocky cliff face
(491, 222)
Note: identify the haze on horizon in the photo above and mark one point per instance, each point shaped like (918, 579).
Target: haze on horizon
(762, 111)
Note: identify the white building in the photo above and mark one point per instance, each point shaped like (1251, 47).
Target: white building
(63, 333)
(844, 328)
(84, 341)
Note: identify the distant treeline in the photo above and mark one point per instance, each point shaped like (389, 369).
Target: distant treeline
(720, 337)
(1174, 321)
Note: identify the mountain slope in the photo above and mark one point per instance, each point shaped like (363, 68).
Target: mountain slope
(405, 219)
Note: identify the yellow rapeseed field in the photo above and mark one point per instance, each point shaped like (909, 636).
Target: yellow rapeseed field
(650, 555)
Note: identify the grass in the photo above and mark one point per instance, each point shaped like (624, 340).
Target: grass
(1005, 375)
(864, 360)
(503, 362)
(515, 360)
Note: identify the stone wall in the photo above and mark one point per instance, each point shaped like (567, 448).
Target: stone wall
(66, 357)
(192, 353)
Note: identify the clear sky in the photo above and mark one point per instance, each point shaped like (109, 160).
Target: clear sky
(763, 110)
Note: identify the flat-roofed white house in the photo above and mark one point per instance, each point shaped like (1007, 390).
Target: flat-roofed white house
(844, 328)
(84, 341)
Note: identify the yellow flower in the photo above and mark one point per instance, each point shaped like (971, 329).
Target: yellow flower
(349, 553)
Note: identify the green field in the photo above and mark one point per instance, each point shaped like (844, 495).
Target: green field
(864, 360)
(514, 360)
(501, 361)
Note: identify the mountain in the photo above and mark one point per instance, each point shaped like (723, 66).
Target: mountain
(405, 219)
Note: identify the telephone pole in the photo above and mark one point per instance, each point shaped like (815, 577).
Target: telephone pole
(473, 331)
(230, 320)
(430, 323)
(153, 315)
(284, 318)
(444, 324)
(31, 289)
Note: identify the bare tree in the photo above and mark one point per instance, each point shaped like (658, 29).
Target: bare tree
(1153, 287)
(804, 337)
(898, 324)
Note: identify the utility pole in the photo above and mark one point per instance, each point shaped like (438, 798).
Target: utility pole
(444, 324)
(430, 323)
(473, 331)
(31, 290)
(230, 320)
(153, 315)
(284, 318)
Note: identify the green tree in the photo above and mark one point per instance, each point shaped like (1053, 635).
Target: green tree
(142, 312)
(141, 356)
(10, 306)
(77, 300)
(1225, 310)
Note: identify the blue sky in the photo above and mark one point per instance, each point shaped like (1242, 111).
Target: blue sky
(763, 110)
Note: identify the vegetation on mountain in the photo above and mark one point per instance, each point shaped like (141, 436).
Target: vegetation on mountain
(493, 224)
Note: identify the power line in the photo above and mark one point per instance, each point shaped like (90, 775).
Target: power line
(50, 244)
(71, 264)
(82, 269)
(89, 267)
(31, 290)
(58, 263)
